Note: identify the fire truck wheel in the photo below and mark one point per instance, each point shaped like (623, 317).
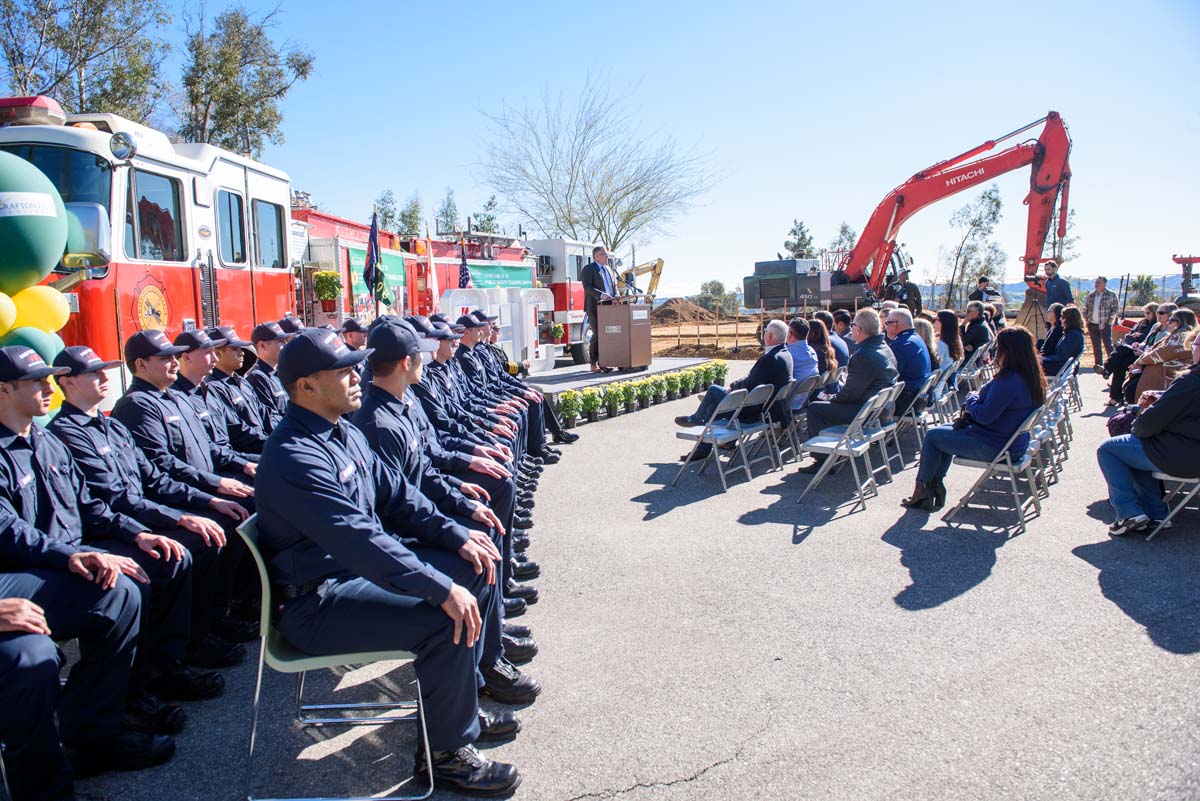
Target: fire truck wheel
(579, 353)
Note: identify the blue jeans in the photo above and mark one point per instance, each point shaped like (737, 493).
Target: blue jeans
(708, 404)
(1132, 488)
(943, 443)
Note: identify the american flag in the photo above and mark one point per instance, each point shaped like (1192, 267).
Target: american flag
(464, 272)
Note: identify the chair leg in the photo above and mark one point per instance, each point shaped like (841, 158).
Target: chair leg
(962, 502)
(262, 648)
(858, 487)
(684, 466)
(1174, 511)
(826, 466)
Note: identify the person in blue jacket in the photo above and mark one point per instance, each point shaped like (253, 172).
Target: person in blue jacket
(1058, 290)
(1070, 344)
(990, 418)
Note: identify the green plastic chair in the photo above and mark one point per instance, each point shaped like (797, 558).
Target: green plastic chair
(283, 658)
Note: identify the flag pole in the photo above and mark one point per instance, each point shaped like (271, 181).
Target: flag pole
(379, 264)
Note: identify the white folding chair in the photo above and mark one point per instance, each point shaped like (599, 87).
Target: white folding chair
(1003, 464)
(1178, 490)
(849, 444)
(972, 370)
(720, 429)
(943, 398)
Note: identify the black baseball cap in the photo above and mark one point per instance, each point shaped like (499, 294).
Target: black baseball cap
(80, 359)
(19, 363)
(266, 332)
(290, 325)
(197, 340)
(396, 341)
(467, 321)
(145, 344)
(314, 351)
(481, 315)
(226, 333)
(438, 317)
(432, 330)
(354, 326)
(443, 331)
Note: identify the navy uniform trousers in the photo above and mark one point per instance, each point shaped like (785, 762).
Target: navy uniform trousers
(356, 615)
(91, 704)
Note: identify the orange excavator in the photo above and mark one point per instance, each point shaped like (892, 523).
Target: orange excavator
(1048, 185)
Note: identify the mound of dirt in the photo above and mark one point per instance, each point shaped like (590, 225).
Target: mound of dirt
(680, 310)
(748, 351)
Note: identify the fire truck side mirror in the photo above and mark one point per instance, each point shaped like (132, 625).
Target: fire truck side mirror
(89, 236)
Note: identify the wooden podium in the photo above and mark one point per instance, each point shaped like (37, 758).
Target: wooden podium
(624, 333)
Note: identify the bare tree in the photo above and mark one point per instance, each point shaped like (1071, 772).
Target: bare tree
(974, 223)
(586, 173)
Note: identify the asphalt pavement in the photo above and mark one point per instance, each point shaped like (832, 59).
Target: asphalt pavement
(696, 644)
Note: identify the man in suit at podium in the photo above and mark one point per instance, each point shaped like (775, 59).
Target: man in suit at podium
(598, 281)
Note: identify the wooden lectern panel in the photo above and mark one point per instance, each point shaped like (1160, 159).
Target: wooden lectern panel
(624, 333)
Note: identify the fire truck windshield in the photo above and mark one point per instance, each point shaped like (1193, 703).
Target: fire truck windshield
(80, 177)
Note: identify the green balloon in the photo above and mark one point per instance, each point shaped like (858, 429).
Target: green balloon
(33, 224)
(47, 345)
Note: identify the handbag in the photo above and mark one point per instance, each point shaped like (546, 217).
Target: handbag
(1121, 423)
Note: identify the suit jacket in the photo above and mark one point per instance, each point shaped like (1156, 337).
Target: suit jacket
(872, 368)
(592, 278)
(775, 368)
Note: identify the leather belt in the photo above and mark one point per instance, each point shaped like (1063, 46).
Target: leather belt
(288, 592)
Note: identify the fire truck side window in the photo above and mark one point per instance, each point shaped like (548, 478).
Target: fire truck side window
(158, 235)
(268, 234)
(231, 227)
(78, 176)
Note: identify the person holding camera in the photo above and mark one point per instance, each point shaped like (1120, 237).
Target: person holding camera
(988, 419)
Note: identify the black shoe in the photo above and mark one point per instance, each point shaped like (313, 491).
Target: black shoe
(546, 456)
(465, 771)
(521, 557)
(566, 438)
(523, 571)
(508, 685)
(234, 630)
(525, 592)
(514, 607)
(181, 683)
(922, 498)
(699, 455)
(938, 488)
(1129, 524)
(532, 458)
(214, 653)
(129, 750)
(147, 714)
(519, 650)
(811, 469)
(520, 543)
(516, 630)
(500, 726)
(684, 421)
(551, 450)
(526, 503)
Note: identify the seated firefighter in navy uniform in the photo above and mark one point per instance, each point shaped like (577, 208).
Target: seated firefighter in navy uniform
(118, 473)
(268, 339)
(196, 364)
(331, 517)
(230, 388)
(73, 557)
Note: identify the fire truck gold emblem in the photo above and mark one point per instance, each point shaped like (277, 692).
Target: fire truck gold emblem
(152, 308)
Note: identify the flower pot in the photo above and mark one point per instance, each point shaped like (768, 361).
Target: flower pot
(643, 403)
(593, 416)
(630, 406)
(613, 411)
(568, 422)
(329, 306)
(720, 382)
(671, 394)
(658, 398)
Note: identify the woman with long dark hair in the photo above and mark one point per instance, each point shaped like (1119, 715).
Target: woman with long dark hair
(949, 338)
(1054, 320)
(818, 340)
(1070, 346)
(989, 418)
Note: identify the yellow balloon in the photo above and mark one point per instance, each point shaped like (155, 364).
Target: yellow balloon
(41, 307)
(56, 399)
(8, 314)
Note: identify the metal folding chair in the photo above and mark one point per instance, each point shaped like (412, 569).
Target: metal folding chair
(1003, 464)
(943, 399)
(716, 432)
(849, 444)
(799, 417)
(972, 370)
(1178, 490)
(275, 651)
(762, 429)
(915, 419)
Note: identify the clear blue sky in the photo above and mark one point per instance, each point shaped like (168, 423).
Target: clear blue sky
(811, 111)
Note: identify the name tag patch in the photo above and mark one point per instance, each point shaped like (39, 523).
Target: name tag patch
(24, 480)
(346, 472)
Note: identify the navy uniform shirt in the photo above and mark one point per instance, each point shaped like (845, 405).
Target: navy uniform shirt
(272, 397)
(46, 511)
(453, 429)
(324, 500)
(447, 377)
(166, 428)
(491, 357)
(243, 413)
(118, 473)
(211, 412)
(391, 427)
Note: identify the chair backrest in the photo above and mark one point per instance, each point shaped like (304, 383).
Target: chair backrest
(731, 404)
(785, 394)
(826, 377)
(806, 388)
(838, 374)
(1024, 428)
(249, 533)
(760, 395)
(868, 415)
(1068, 370)
(934, 378)
(974, 360)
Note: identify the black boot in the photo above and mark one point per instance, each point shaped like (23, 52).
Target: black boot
(938, 488)
(921, 498)
(465, 771)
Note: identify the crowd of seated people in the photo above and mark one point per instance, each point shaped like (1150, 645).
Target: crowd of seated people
(409, 503)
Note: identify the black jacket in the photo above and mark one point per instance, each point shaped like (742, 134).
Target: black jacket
(592, 278)
(775, 368)
(1170, 427)
(1069, 347)
(872, 368)
(975, 335)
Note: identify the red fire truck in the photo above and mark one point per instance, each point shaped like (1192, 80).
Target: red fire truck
(180, 235)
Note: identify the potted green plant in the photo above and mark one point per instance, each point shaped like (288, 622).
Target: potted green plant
(557, 332)
(589, 403)
(628, 396)
(658, 387)
(327, 288)
(696, 377)
(671, 380)
(614, 396)
(685, 383)
(569, 405)
(645, 391)
(720, 370)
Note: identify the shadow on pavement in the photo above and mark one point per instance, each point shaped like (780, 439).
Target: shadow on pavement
(690, 489)
(1155, 583)
(803, 518)
(944, 562)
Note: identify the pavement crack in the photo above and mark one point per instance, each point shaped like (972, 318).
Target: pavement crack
(735, 756)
